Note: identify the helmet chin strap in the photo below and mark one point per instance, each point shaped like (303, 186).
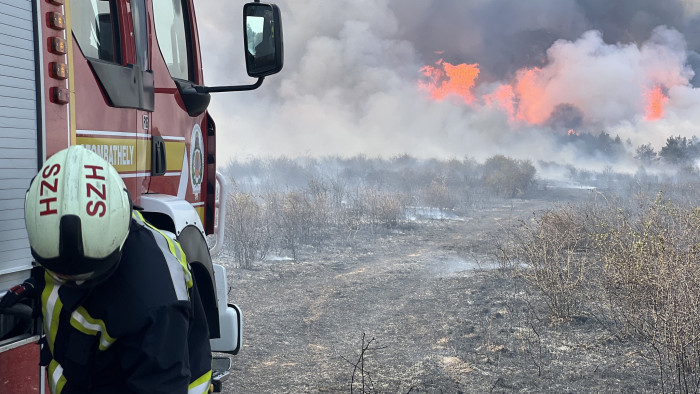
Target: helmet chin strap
(82, 281)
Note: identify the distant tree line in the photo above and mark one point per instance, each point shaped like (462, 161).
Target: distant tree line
(678, 151)
(596, 145)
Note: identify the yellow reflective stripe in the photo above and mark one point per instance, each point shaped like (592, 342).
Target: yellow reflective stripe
(81, 320)
(182, 258)
(51, 306)
(174, 247)
(201, 385)
(176, 250)
(138, 216)
(56, 378)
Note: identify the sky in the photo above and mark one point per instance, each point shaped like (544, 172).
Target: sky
(456, 78)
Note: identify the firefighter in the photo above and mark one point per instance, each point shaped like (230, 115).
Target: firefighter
(121, 310)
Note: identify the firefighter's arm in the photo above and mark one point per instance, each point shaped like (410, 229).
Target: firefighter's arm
(156, 359)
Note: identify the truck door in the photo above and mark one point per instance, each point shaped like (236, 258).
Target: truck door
(113, 85)
(174, 65)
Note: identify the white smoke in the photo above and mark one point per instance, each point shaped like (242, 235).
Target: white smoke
(608, 82)
(350, 85)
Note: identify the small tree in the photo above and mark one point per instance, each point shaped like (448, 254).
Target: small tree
(646, 154)
(679, 150)
(508, 177)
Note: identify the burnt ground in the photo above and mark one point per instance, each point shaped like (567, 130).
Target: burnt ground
(435, 314)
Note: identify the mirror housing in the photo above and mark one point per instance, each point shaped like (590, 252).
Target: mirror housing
(194, 97)
(262, 33)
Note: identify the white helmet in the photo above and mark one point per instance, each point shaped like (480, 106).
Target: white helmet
(77, 211)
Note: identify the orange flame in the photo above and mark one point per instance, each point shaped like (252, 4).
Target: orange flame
(504, 98)
(656, 99)
(573, 132)
(526, 99)
(531, 108)
(447, 79)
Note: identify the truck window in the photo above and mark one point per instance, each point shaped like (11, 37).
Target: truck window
(171, 31)
(94, 23)
(138, 14)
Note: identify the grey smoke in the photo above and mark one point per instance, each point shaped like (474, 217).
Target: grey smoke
(349, 85)
(506, 35)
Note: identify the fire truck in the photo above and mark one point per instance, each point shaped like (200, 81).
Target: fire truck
(122, 78)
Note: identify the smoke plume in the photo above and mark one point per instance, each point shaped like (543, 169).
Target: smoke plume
(455, 78)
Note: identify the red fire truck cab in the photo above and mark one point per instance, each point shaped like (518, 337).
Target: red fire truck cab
(124, 79)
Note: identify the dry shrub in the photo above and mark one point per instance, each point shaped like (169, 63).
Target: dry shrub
(300, 217)
(351, 214)
(383, 209)
(652, 280)
(319, 205)
(438, 195)
(636, 270)
(550, 246)
(293, 221)
(247, 229)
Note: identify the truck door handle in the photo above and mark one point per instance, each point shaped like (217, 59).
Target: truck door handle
(158, 160)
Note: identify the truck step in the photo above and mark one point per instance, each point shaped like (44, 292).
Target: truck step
(220, 368)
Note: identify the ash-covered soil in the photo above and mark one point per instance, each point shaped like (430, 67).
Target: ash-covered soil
(436, 315)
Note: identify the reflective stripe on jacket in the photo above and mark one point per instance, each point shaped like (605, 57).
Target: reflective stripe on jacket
(142, 330)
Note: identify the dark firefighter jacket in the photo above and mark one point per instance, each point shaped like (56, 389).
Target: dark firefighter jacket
(142, 330)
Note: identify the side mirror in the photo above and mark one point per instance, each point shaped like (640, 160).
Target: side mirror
(264, 54)
(262, 32)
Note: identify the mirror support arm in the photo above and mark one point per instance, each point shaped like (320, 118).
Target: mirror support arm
(237, 88)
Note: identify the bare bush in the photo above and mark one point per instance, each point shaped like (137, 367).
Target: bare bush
(438, 195)
(248, 232)
(636, 270)
(652, 280)
(382, 209)
(319, 210)
(293, 221)
(551, 248)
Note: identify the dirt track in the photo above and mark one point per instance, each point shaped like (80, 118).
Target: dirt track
(439, 319)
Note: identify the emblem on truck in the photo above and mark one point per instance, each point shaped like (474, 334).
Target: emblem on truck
(196, 160)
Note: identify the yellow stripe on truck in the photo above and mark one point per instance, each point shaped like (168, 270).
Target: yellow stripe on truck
(121, 153)
(200, 212)
(174, 153)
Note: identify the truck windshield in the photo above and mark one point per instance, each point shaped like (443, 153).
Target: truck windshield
(171, 32)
